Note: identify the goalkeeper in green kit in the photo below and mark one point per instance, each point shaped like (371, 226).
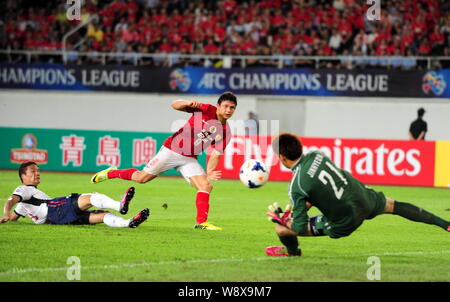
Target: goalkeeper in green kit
(344, 201)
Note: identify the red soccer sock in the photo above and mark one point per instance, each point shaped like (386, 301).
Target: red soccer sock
(202, 204)
(123, 174)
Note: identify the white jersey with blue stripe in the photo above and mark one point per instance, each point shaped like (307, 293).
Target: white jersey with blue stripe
(33, 203)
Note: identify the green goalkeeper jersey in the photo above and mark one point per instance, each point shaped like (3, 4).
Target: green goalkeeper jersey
(342, 199)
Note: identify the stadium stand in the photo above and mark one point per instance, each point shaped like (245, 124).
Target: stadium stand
(270, 28)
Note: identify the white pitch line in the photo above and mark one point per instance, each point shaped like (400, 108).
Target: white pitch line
(132, 265)
(391, 254)
(194, 261)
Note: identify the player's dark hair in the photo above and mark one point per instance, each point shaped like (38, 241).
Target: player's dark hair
(420, 112)
(227, 96)
(288, 145)
(23, 168)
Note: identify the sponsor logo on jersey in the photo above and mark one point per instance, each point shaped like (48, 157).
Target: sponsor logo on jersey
(29, 151)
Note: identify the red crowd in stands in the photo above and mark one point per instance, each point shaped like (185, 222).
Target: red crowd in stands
(232, 27)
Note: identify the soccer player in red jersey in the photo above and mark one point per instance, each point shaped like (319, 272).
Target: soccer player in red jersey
(207, 127)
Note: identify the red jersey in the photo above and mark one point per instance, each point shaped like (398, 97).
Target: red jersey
(201, 131)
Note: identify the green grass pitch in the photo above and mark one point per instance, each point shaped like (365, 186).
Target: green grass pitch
(167, 248)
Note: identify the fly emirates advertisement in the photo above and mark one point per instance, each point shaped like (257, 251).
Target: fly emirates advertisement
(376, 162)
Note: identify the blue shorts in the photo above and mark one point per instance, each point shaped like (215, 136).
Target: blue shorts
(65, 210)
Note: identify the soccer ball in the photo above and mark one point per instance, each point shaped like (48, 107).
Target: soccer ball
(253, 173)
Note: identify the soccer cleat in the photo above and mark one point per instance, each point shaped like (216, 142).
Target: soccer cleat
(448, 229)
(276, 251)
(101, 176)
(139, 218)
(207, 226)
(129, 193)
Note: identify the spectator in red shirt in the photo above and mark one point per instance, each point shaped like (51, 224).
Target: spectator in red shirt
(30, 41)
(107, 12)
(197, 34)
(93, 44)
(161, 18)
(218, 16)
(185, 45)
(248, 45)
(149, 34)
(219, 32)
(229, 7)
(433, 14)
(145, 17)
(185, 27)
(437, 41)
(117, 6)
(381, 48)
(278, 19)
(396, 47)
(325, 49)
(174, 36)
(176, 18)
(165, 46)
(424, 48)
(211, 48)
(345, 23)
(405, 23)
(205, 23)
(128, 34)
(419, 25)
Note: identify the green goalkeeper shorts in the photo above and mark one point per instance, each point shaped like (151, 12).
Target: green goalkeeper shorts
(366, 204)
(320, 225)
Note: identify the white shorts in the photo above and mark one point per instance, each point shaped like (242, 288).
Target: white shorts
(167, 159)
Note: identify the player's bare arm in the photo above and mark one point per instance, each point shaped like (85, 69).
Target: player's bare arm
(287, 230)
(213, 161)
(183, 105)
(8, 216)
(12, 217)
(421, 136)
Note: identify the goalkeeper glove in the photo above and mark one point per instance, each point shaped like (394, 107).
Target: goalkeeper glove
(277, 215)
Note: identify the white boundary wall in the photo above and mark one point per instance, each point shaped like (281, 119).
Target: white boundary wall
(307, 116)
(351, 117)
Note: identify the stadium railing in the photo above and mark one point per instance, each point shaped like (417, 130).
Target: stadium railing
(74, 30)
(224, 61)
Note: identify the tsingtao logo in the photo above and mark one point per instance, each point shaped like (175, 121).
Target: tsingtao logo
(29, 151)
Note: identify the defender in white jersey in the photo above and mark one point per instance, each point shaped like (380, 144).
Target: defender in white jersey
(71, 209)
